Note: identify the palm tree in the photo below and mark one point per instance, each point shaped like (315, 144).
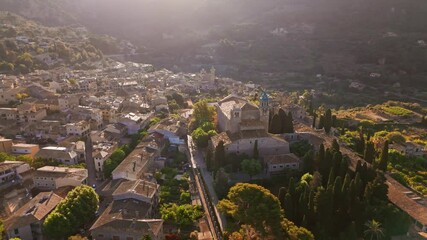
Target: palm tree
(373, 231)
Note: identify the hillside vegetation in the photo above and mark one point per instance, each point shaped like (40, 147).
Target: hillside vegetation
(26, 45)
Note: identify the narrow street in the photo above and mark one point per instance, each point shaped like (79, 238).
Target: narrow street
(203, 178)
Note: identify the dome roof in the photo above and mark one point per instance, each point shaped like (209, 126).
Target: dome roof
(264, 96)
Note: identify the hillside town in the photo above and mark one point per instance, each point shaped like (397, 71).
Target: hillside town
(128, 132)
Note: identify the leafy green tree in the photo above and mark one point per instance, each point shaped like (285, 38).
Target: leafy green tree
(395, 137)
(185, 198)
(200, 137)
(25, 59)
(251, 167)
(6, 67)
(254, 205)
(202, 113)
(57, 226)
(118, 155)
(73, 212)
(108, 168)
(146, 237)
(382, 165)
(182, 215)
(373, 231)
(246, 232)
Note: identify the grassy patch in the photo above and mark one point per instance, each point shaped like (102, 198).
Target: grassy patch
(397, 111)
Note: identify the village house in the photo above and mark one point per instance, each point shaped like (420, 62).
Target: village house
(7, 146)
(23, 113)
(51, 178)
(11, 170)
(60, 154)
(116, 131)
(87, 113)
(134, 121)
(81, 128)
(68, 101)
(8, 95)
(26, 223)
(279, 163)
(130, 215)
(24, 149)
(99, 157)
(138, 161)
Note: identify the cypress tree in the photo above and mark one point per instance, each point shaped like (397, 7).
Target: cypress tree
(337, 159)
(289, 125)
(337, 190)
(308, 162)
(283, 120)
(328, 120)
(256, 151)
(289, 207)
(331, 178)
(369, 154)
(335, 145)
(321, 122)
(310, 108)
(334, 121)
(320, 158)
(382, 165)
(281, 196)
(343, 167)
(314, 121)
(291, 187)
(219, 155)
(276, 125)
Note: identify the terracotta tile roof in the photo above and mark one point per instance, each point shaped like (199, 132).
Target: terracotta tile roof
(139, 187)
(127, 216)
(283, 158)
(78, 174)
(404, 198)
(35, 210)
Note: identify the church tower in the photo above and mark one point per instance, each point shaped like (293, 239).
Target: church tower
(264, 109)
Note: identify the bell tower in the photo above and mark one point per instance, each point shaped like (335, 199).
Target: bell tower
(264, 108)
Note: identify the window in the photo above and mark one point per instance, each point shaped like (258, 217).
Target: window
(116, 238)
(101, 235)
(99, 164)
(16, 231)
(129, 238)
